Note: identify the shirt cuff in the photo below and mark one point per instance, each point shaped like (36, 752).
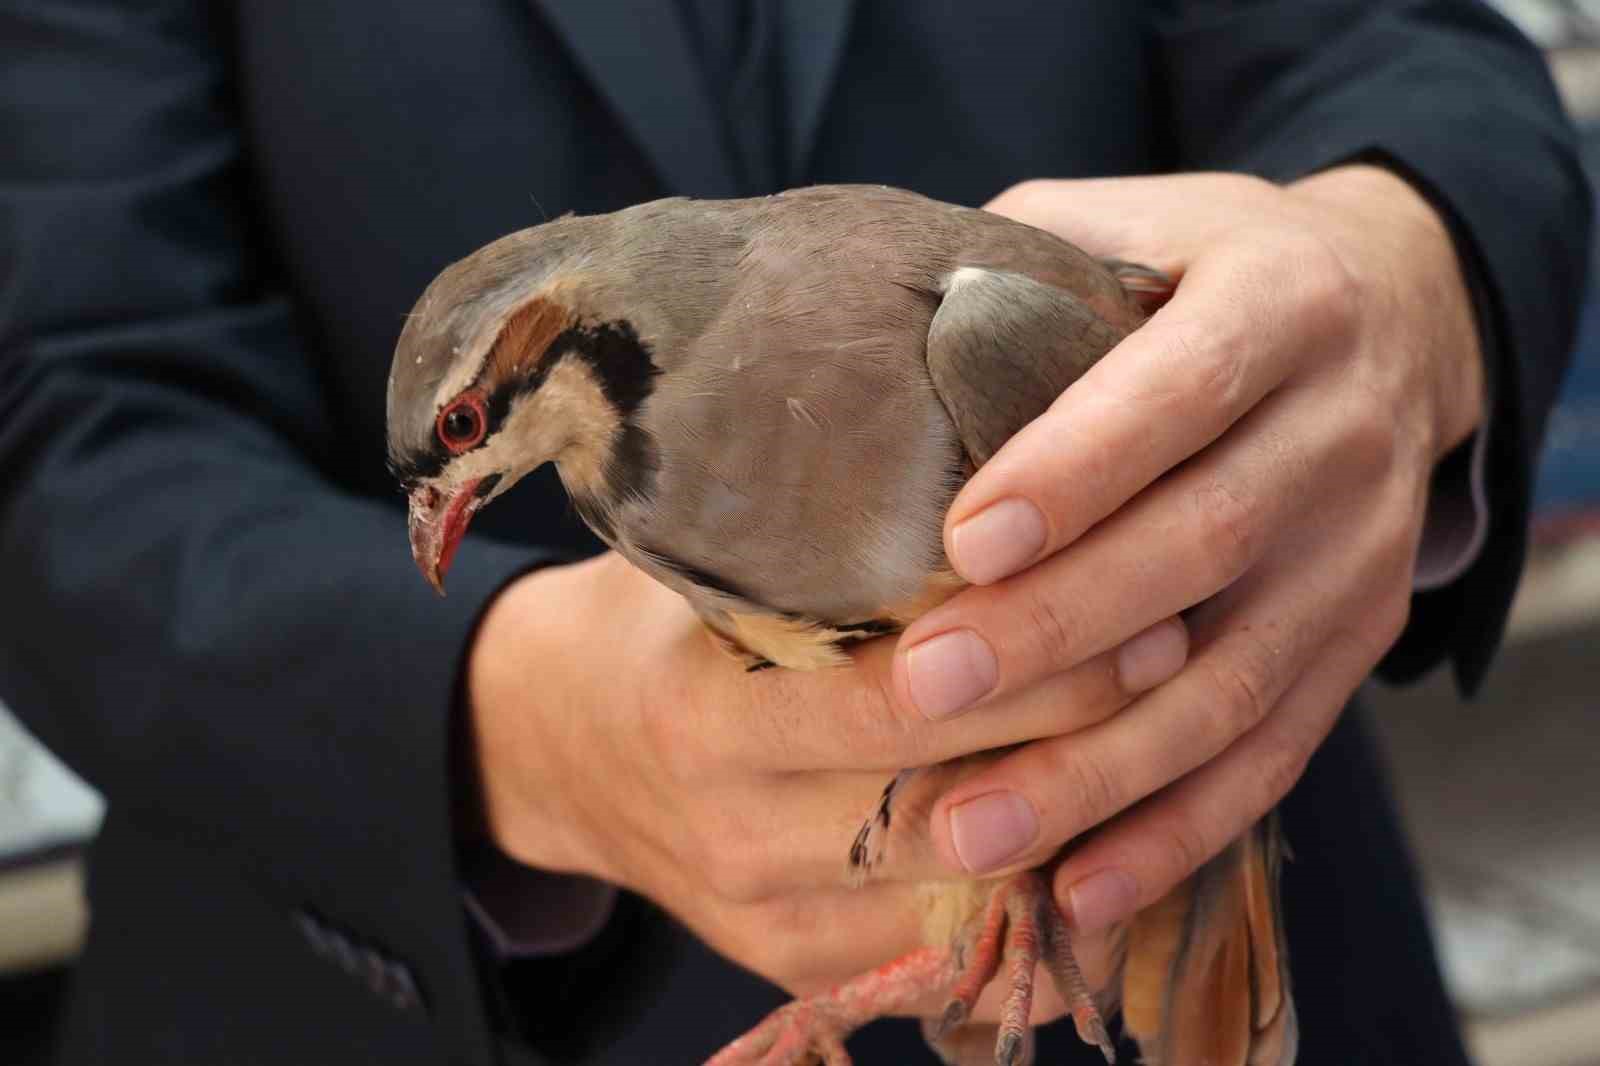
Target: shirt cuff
(1457, 520)
(526, 912)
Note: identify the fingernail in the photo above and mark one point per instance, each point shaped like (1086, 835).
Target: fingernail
(1100, 899)
(990, 830)
(1153, 656)
(949, 672)
(997, 541)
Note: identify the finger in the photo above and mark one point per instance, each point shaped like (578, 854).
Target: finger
(849, 719)
(1021, 810)
(1253, 643)
(1149, 220)
(1245, 318)
(1141, 856)
(1356, 577)
(794, 830)
(1177, 544)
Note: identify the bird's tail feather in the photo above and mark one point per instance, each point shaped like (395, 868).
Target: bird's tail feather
(1205, 975)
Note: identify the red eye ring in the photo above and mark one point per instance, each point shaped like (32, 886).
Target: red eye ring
(462, 424)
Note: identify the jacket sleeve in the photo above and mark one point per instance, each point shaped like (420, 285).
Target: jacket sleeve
(1451, 96)
(200, 617)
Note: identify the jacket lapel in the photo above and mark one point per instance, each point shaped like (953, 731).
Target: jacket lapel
(641, 60)
(813, 34)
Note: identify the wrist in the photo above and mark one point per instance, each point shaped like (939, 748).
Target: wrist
(1406, 246)
(509, 745)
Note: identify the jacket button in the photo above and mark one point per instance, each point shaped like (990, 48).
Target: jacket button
(400, 987)
(375, 972)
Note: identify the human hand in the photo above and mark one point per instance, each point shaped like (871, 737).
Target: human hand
(1258, 455)
(614, 740)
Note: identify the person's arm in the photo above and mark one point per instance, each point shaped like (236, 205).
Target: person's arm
(237, 650)
(1260, 454)
(201, 619)
(1449, 95)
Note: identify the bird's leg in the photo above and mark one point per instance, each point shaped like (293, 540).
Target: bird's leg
(1024, 904)
(1062, 966)
(811, 1029)
(977, 960)
(1021, 924)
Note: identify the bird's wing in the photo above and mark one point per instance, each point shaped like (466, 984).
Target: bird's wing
(1002, 346)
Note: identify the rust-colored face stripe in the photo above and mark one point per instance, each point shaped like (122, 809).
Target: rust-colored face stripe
(525, 338)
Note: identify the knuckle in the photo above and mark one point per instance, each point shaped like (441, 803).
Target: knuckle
(1383, 617)
(1373, 429)
(1230, 536)
(1329, 295)
(1024, 199)
(1185, 849)
(1369, 437)
(1090, 791)
(1053, 632)
(1278, 772)
(1215, 373)
(1388, 622)
(1241, 685)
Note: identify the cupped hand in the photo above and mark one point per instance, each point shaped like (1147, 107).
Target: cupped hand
(613, 739)
(1257, 455)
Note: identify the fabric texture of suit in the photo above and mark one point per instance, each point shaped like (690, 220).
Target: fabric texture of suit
(212, 218)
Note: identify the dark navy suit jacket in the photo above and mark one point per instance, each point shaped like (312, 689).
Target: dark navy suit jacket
(213, 216)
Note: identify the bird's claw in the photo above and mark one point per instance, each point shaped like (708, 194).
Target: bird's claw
(795, 1034)
(812, 1030)
(1022, 927)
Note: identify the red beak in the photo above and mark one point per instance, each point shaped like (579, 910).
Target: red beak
(437, 524)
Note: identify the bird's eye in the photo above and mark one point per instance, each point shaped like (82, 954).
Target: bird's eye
(462, 424)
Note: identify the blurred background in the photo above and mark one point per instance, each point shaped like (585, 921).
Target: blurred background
(1502, 795)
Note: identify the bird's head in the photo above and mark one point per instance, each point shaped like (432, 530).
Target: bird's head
(506, 363)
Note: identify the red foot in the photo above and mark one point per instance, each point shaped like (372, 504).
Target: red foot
(977, 960)
(811, 1029)
(1020, 925)
(1062, 966)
